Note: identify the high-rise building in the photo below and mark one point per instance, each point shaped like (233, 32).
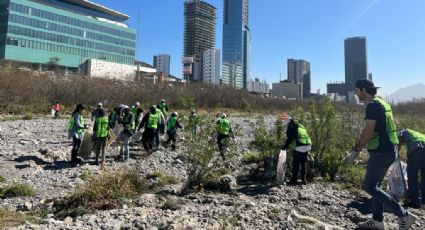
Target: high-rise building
(64, 33)
(211, 66)
(355, 60)
(236, 43)
(161, 63)
(287, 89)
(299, 72)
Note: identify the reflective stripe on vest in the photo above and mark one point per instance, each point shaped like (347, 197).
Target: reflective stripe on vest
(154, 119)
(223, 126)
(303, 137)
(390, 128)
(102, 127)
(71, 124)
(171, 124)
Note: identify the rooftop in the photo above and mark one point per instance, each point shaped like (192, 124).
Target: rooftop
(97, 7)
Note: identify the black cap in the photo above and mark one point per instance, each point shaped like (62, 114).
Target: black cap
(365, 84)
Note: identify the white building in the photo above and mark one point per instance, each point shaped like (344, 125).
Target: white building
(257, 86)
(161, 63)
(211, 66)
(287, 89)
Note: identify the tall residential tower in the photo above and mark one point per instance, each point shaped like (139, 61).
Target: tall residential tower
(236, 43)
(299, 72)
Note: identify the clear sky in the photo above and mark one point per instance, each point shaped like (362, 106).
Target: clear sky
(313, 30)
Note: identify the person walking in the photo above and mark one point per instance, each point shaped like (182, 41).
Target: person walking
(128, 124)
(380, 139)
(137, 114)
(163, 107)
(150, 124)
(56, 108)
(193, 122)
(299, 142)
(101, 134)
(172, 126)
(224, 132)
(76, 126)
(415, 143)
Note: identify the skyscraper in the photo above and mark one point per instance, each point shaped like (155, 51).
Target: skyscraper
(355, 60)
(161, 63)
(299, 72)
(199, 27)
(236, 43)
(211, 64)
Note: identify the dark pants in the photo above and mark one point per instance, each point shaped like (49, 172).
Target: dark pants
(416, 163)
(222, 141)
(299, 161)
(99, 146)
(76, 143)
(172, 134)
(377, 167)
(148, 139)
(56, 114)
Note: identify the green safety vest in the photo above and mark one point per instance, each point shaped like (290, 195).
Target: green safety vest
(416, 136)
(223, 126)
(303, 137)
(390, 128)
(130, 124)
(102, 127)
(71, 124)
(193, 120)
(154, 119)
(171, 124)
(134, 112)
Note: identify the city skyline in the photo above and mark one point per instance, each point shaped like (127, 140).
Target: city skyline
(394, 33)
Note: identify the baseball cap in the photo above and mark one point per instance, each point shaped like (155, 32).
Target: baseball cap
(365, 84)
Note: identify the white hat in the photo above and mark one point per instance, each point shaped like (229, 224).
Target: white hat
(137, 103)
(99, 104)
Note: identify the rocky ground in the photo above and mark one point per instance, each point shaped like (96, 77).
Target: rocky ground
(36, 152)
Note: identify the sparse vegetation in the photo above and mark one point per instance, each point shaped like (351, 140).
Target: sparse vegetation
(251, 157)
(11, 218)
(2, 179)
(86, 175)
(16, 190)
(108, 191)
(162, 179)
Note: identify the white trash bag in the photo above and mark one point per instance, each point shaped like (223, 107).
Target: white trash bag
(281, 167)
(397, 179)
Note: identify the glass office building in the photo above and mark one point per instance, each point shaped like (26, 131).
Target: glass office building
(236, 43)
(355, 60)
(70, 31)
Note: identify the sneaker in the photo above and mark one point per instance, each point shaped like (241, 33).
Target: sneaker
(372, 224)
(406, 222)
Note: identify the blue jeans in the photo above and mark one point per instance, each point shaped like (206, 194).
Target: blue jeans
(416, 163)
(377, 167)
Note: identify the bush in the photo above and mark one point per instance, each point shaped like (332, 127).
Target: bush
(251, 157)
(10, 219)
(202, 157)
(2, 179)
(28, 116)
(108, 191)
(87, 175)
(352, 176)
(16, 190)
(162, 179)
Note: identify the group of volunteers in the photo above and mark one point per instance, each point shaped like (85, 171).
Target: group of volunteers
(380, 137)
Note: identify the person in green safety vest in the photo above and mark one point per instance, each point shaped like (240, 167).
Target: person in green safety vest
(137, 114)
(300, 143)
(193, 122)
(101, 134)
(163, 107)
(150, 123)
(415, 143)
(76, 126)
(113, 116)
(224, 132)
(172, 126)
(128, 124)
(380, 139)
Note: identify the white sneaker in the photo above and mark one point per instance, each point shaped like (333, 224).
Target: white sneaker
(406, 222)
(372, 224)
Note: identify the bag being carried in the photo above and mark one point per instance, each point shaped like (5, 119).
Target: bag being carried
(281, 167)
(397, 179)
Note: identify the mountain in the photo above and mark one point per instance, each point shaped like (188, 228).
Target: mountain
(408, 93)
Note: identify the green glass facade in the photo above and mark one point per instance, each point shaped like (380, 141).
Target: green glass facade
(33, 32)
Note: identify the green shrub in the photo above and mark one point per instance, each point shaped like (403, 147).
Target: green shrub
(202, 158)
(16, 190)
(28, 116)
(2, 179)
(352, 176)
(86, 175)
(108, 191)
(251, 157)
(162, 179)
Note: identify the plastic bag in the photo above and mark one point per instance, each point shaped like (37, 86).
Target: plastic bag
(53, 112)
(87, 145)
(281, 167)
(136, 137)
(397, 179)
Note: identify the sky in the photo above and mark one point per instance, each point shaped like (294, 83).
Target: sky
(313, 30)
